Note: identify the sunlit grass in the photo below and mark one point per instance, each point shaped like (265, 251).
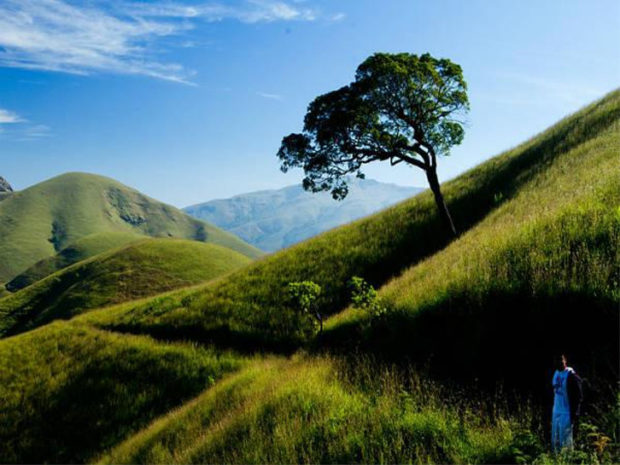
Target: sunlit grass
(68, 391)
(143, 268)
(306, 410)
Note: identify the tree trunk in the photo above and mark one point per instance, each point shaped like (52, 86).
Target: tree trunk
(320, 318)
(431, 175)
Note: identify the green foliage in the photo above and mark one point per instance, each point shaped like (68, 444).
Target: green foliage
(143, 268)
(303, 296)
(40, 221)
(364, 297)
(401, 107)
(68, 392)
(541, 266)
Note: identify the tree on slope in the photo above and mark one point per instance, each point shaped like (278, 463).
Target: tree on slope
(400, 108)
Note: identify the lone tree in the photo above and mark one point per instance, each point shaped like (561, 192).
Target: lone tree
(400, 108)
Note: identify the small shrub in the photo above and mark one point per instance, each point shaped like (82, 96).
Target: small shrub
(364, 297)
(303, 296)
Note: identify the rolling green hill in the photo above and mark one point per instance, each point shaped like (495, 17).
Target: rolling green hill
(250, 307)
(142, 268)
(40, 221)
(537, 259)
(81, 249)
(69, 390)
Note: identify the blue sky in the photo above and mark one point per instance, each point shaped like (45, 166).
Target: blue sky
(189, 100)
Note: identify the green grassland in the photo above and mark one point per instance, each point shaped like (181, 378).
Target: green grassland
(538, 274)
(250, 308)
(306, 410)
(69, 391)
(537, 256)
(83, 248)
(40, 221)
(142, 268)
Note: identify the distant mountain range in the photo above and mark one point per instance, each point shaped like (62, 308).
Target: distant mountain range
(274, 219)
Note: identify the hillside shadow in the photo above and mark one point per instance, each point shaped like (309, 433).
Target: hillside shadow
(222, 337)
(507, 338)
(485, 189)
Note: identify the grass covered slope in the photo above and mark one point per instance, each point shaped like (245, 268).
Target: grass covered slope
(40, 221)
(306, 410)
(541, 273)
(69, 392)
(250, 306)
(81, 249)
(140, 269)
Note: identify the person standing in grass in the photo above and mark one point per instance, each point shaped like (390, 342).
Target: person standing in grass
(566, 404)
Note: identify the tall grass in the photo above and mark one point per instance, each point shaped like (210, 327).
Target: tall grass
(248, 308)
(540, 274)
(69, 391)
(304, 410)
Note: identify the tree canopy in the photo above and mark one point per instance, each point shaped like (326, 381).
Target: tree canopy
(400, 108)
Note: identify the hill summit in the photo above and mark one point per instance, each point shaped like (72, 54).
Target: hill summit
(40, 221)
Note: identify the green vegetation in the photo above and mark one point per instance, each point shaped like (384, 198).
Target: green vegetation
(40, 221)
(248, 307)
(81, 249)
(544, 264)
(307, 410)
(537, 258)
(400, 108)
(303, 297)
(143, 268)
(70, 391)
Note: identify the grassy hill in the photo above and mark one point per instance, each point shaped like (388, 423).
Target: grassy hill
(142, 268)
(537, 258)
(40, 221)
(274, 219)
(81, 249)
(309, 410)
(69, 390)
(250, 307)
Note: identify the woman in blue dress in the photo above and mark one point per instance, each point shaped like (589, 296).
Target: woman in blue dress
(566, 404)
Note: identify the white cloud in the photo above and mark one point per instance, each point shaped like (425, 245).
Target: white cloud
(9, 117)
(118, 37)
(14, 127)
(337, 17)
(269, 96)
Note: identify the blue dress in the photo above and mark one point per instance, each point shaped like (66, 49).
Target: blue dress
(561, 428)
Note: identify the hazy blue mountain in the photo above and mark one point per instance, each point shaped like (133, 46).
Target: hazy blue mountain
(273, 219)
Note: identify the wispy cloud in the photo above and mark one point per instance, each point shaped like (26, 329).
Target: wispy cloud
(9, 117)
(337, 17)
(269, 96)
(118, 37)
(248, 11)
(14, 127)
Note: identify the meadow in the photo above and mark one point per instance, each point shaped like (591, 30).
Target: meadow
(142, 268)
(456, 369)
